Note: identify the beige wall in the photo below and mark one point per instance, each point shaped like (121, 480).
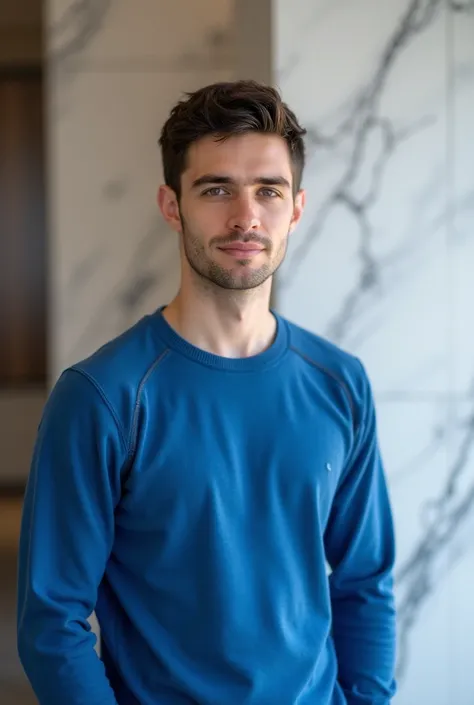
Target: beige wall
(253, 24)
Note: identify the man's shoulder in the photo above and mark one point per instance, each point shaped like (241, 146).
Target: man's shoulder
(120, 367)
(322, 352)
(345, 368)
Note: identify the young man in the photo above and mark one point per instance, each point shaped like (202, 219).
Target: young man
(194, 477)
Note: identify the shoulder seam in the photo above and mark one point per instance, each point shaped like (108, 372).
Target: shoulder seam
(106, 401)
(366, 382)
(130, 445)
(335, 378)
(144, 380)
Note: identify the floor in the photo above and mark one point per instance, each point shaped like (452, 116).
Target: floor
(14, 688)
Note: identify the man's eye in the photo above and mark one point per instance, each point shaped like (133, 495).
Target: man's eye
(269, 193)
(214, 191)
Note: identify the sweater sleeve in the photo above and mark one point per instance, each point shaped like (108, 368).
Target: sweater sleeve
(66, 537)
(360, 549)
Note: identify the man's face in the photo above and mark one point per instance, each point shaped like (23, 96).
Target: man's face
(236, 209)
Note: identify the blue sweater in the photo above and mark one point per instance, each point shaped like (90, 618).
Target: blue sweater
(196, 502)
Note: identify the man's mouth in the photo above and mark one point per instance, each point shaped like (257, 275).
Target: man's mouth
(242, 249)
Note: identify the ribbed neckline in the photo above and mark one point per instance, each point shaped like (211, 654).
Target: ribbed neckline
(242, 364)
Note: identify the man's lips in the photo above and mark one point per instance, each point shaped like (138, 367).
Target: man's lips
(242, 248)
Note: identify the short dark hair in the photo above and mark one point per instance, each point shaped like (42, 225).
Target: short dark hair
(225, 110)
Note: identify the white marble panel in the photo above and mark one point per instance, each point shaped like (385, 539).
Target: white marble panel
(429, 456)
(462, 194)
(148, 34)
(368, 266)
(460, 606)
(453, 536)
(111, 257)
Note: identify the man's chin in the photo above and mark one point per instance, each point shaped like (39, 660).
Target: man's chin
(243, 275)
(242, 281)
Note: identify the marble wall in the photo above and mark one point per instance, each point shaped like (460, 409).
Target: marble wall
(115, 69)
(382, 265)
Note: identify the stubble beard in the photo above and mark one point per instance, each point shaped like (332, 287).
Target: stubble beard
(210, 272)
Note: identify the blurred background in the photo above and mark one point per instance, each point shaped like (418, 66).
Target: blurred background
(382, 263)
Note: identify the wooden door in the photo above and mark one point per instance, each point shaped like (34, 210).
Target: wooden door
(23, 260)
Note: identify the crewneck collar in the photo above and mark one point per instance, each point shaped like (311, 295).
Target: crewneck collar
(262, 360)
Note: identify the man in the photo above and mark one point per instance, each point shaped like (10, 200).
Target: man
(194, 477)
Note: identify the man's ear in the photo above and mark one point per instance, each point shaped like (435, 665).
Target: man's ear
(298, 208)
(169, 207)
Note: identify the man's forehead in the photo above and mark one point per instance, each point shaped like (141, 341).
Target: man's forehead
(245, 155)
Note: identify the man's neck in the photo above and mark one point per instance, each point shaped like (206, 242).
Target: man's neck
(232, 324)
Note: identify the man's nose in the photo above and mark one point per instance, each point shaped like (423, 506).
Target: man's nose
(244, 216)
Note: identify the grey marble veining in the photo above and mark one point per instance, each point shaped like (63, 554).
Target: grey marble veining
(106, 35)
(362, 121)
(149, 276)
(72, 31)
(357, 154)
(445, 518)
(381, 265)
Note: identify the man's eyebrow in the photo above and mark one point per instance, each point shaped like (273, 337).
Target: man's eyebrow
(223, 179)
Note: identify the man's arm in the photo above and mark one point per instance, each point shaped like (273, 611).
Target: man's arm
(66, 537)
(360, 549)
